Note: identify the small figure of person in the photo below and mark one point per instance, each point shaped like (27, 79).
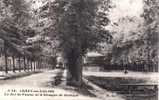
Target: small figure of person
(125, 71)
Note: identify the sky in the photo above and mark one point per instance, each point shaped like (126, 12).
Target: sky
(126, 8)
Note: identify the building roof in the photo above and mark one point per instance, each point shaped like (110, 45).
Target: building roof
(94, 54)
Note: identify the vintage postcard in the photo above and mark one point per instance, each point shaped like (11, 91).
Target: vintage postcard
(79, 49)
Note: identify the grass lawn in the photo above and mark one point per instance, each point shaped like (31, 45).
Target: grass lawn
(114, 84)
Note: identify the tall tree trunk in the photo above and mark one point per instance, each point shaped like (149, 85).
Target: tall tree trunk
(42, 64)
(34, 65)
(74, 70)
(13, 58)
(28, 63)
(5, 57)
(27, 67)
(19, 62)
(31, 65)
(38, 65)
(24, 63)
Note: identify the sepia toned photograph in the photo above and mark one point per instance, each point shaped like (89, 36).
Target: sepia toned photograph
(79, 49)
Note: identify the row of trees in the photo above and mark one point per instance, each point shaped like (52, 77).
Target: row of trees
(17, 33)
(139, 49)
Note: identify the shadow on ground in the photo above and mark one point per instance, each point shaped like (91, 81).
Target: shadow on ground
(83, 90)
(56, 81)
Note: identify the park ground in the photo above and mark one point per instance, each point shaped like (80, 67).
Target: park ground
(51, 85)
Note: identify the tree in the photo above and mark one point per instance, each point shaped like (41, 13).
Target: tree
(14, 20)
(12, 40)
(78, 28)
(151, 17)
(138, 45)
